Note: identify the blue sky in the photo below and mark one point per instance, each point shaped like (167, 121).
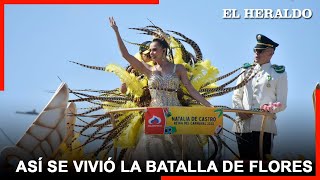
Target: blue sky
(41, 39)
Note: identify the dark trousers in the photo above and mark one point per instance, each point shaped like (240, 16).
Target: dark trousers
(248, 145)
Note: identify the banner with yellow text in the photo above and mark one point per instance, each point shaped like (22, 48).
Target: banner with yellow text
(183, 120)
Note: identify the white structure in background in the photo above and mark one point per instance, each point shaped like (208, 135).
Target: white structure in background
(42, 139)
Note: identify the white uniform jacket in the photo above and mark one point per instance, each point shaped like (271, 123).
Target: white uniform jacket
(266, 87)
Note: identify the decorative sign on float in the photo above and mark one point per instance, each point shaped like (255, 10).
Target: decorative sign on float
(183, 120)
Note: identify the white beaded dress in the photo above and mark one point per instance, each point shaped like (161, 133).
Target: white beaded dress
(163, 90)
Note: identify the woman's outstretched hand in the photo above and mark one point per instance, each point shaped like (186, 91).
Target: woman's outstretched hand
(113, 24)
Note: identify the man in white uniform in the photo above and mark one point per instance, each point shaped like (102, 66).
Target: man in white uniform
(269, 86)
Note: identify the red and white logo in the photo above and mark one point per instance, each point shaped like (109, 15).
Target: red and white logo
(154, 121)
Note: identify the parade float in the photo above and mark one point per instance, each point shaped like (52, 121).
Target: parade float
(107, 122)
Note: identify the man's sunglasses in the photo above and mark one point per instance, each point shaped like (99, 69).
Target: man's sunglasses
(259, 51)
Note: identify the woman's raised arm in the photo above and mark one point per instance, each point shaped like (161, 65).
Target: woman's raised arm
(124, 52)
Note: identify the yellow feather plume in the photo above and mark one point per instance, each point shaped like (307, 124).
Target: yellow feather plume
(70, 153)
(128, 137)
(177, 51)
(133, 83)
(202, 73)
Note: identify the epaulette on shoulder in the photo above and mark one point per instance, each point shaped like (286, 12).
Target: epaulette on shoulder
(278, 69)
(246, 65)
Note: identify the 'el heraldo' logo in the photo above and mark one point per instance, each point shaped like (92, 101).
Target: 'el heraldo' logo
(155, 121)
